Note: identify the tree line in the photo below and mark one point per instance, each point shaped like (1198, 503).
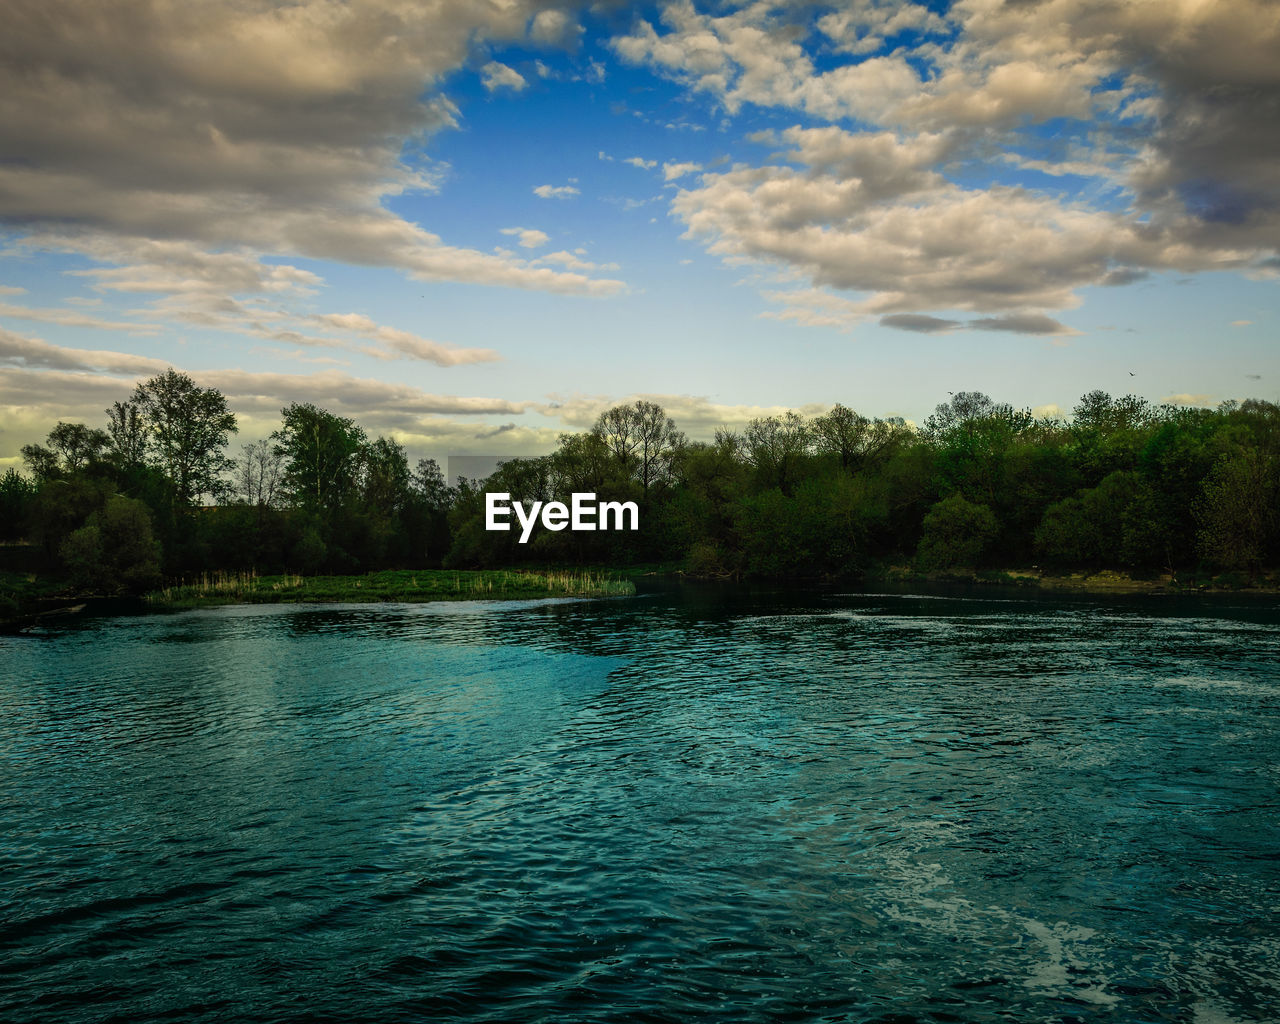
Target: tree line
(1120, 483)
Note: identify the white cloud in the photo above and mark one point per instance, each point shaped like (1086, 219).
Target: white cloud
(529, 238)
(672, 171)
(878, 211)
(72, 318)
(641, 162)
(247, 127)
(554, 27)
(496, 75)
(1193, 401)
(555, 191)
(573, 261)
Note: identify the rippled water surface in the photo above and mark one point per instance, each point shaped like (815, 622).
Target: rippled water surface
(685, 806)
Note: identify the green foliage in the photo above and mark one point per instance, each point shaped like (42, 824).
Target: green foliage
(1239, 511)
(955, 535)
(115, 551)
(321, 454)
(1123, 484)
(187, 428)
(17, 500)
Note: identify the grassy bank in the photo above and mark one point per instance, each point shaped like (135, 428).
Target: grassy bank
(390, 585)
(1095, 581)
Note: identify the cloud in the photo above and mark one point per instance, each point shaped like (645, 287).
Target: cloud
(554, 27)
(28, 353)
(247, 127)
(529, 238)
(697, 415)
(1241, 323)
(555, 191)
(1022, 323)
(1017, 323)
(670, 171)
(1177, 142)
(919, 323)
(641, 162)
(72, 318)
(573, 261)
(1194, 401)
(403, 343)
(496, 75)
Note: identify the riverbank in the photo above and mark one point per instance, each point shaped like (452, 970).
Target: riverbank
(388, 585)
(1097, 581)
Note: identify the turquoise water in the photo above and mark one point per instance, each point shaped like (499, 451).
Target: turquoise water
(691, 805)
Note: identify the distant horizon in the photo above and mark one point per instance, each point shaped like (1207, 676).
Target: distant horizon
(471, 229)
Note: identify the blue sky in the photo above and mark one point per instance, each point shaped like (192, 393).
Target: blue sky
(474, 226)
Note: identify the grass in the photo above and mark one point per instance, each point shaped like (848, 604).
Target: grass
(390, 585)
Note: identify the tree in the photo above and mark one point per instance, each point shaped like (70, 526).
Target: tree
(643, 438)
(17, 497)
(187, 427)
(955, 534)
(854, 439)
(69, 448)
(321, 454)
(115, 551)
(127, 435)
(257, 475)
(1237, 512)
(386, 479)
(776, 446)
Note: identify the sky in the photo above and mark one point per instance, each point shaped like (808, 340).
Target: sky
(472, 226)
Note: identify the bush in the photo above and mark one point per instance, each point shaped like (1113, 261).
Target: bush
(115, 551)
(956, 532)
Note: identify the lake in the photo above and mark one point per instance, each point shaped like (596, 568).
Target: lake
(696, 804)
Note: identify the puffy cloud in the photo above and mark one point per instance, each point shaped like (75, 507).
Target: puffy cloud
(752, 56)
(672, 171)
(1171, 114)
(574, 261)
(496, 75)
(554, 27)
(555, 191)
(529, 238)
(641, 162)
(243, 127)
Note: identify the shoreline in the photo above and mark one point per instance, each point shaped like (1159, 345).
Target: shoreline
(428, 585)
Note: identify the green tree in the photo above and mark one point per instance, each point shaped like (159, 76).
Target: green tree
(1239, 510)
(956, 532)
(777, 448)
(69, 448)
(321, 454)
(116, 550)
(644, 440)
(127, 435)
(187, 428)
(17, 499)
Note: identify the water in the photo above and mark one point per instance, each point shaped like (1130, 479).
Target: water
(686, 806)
